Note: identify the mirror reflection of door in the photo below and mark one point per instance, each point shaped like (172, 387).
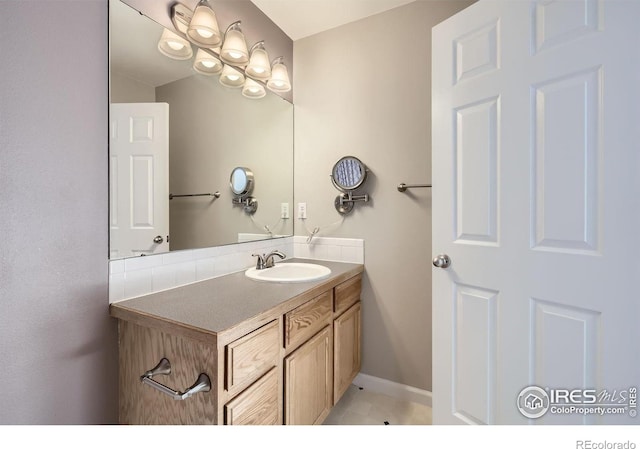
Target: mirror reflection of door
(139, 171)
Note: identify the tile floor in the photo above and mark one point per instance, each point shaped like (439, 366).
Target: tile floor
(359, 406)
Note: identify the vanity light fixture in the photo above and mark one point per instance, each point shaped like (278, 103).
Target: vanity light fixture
(279, 81)
(224, 54)
(206, 64)
(231, 77)
(253, 89)
(234, 48)
(173, 46)
(203, 28)
(259, 67)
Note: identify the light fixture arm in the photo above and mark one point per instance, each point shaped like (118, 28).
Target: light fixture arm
(259, 44)
(278, 60)
(234, 26)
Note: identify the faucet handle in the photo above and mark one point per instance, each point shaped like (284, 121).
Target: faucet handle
(260, 263)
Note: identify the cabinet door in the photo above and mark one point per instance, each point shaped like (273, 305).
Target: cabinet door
(308, 380)
(258, 404)
(346, 347)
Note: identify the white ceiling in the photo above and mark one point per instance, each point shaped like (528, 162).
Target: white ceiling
(302, 18)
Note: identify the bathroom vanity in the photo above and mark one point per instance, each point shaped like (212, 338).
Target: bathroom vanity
(273, 353)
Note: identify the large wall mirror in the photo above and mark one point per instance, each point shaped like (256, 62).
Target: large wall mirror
(177, 132)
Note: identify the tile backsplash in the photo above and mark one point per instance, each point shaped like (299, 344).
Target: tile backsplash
(138, 276)
(328, 248)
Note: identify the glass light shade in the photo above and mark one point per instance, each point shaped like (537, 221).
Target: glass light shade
(173, 46)
(203, 29)
(231, 77)
(279, 81)
(234, 49)
(259, 67)
(206, 64)
(252, 89)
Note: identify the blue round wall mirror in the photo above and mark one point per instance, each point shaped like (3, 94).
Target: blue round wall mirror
(241, 182)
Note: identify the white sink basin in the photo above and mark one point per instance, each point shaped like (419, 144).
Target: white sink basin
(289, 272)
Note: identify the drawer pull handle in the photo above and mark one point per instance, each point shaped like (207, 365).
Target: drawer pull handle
(203, 383)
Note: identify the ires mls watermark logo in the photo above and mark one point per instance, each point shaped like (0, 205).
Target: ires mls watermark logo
(535, 402)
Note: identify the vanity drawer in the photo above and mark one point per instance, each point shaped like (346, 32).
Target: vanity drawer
(304, 321)
(258, 404)
(347, 293)
(251, 356)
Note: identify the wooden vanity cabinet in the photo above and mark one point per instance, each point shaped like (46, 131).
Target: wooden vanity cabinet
(288, 366)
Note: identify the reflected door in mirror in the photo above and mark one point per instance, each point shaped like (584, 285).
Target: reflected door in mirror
(139, 172)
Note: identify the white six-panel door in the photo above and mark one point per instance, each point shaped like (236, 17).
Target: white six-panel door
(535, 200)
(139, 172)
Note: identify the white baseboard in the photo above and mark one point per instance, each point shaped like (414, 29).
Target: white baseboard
(393, 389)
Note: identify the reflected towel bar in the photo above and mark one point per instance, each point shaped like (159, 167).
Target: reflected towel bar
(214, 195)
(403, 187)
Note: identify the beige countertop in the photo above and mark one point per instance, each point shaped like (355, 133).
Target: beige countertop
(219, 304)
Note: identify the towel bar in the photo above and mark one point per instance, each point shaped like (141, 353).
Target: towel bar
(215, 195)
(403, 187)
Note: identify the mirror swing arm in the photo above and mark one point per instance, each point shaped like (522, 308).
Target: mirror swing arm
(348, 174)
(250, 204)
(345, 201)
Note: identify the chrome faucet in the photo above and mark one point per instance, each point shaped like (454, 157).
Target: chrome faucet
(267, 261)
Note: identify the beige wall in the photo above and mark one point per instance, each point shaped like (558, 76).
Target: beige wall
(127, 90)
(364, 89)
(212, 130)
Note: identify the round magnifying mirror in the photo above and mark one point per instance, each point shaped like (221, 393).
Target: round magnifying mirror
(348, 174)
(241, 181)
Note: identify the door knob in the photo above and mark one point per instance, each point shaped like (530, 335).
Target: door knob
(159, 239)
(441, 261)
